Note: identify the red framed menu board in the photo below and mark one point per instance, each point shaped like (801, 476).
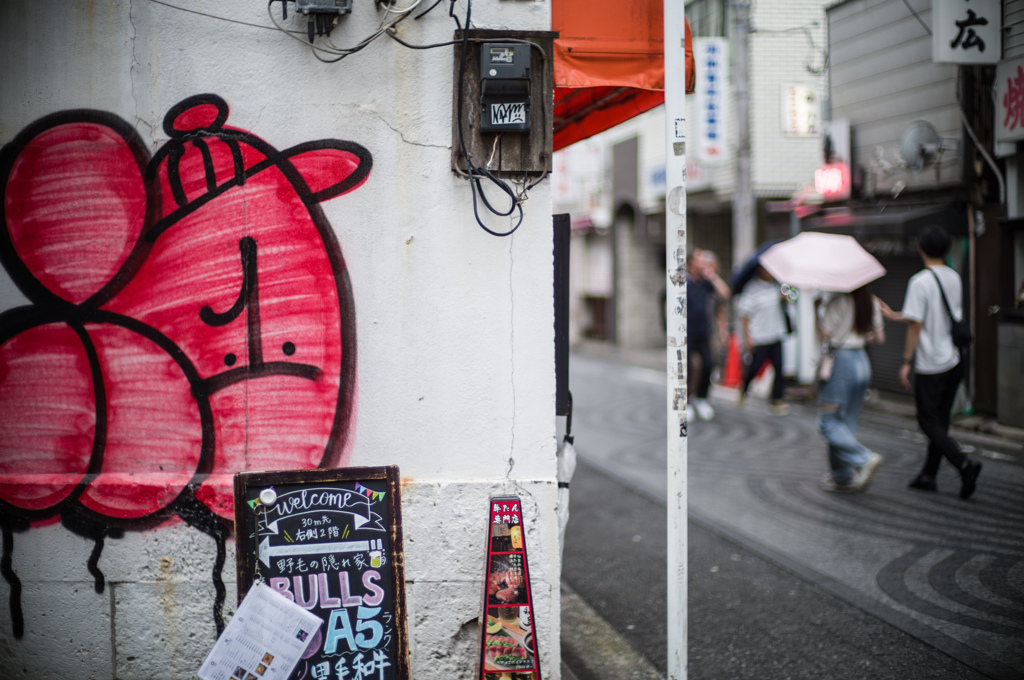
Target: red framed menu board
(508, 644)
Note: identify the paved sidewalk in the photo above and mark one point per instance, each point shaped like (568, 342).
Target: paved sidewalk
(975, 429)
(928, 569)
(749, 618)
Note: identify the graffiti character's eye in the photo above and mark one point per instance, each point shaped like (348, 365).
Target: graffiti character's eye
(288, 348)
(230, 360)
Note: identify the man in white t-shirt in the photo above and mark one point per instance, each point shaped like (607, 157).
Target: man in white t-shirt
(935, 360)
(764, 327)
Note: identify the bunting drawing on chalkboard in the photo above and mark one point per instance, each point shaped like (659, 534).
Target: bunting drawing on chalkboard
(369, 493)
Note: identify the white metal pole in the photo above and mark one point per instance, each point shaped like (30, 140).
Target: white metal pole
(743, 219)
(675, 286)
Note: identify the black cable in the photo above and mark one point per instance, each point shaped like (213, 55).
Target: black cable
(424, 12)
(321, 26)
(504, 187)
(543, 117)
(214, 16)
(391, 34)
(917, 16)
(331, 61)
(476, 173)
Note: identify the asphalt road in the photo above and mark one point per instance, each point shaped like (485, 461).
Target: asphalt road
(784, 579)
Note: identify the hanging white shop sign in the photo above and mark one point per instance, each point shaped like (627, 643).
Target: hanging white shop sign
(1009, 123)
(711, 56)
(966, 31)
(801, 110)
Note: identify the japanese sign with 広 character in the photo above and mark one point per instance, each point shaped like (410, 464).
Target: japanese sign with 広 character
(966, 31)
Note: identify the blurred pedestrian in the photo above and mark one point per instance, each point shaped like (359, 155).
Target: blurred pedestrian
(935, 360)
(765, 324)
(706, 294)
(720, 311)
(847, 322)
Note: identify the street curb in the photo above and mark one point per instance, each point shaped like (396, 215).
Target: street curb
(567, 673)
(592, 650)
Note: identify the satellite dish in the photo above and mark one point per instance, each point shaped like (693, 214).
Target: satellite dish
(920, 144)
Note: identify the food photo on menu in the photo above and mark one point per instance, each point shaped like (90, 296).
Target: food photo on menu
(506, 583)
(508, 646)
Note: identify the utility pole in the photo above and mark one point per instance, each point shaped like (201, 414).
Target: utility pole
(675, 287)
(743, 222)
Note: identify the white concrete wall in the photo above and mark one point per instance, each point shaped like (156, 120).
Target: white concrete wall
(788, 46)
(882, 80)
(455, 327)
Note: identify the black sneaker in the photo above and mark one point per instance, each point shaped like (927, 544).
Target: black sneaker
(923, 483)
(969, 478)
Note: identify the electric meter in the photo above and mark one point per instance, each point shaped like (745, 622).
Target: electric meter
(504, 87)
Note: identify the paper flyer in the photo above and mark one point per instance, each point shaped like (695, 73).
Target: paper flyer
(264, 639)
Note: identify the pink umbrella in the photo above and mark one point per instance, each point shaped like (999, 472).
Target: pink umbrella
(824, 261)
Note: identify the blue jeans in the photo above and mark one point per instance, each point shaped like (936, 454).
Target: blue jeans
(846, 389)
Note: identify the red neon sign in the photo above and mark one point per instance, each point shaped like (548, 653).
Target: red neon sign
(832, 181)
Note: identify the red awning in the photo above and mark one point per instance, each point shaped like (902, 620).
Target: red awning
(609, 64)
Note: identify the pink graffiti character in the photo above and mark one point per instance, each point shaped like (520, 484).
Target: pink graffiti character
(191, 314)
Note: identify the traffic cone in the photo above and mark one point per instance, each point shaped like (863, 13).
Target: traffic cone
(733, 372)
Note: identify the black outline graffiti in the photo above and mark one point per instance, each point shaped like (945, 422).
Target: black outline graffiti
(48, 307)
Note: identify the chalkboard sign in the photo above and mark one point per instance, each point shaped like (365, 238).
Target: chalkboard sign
(331, 541)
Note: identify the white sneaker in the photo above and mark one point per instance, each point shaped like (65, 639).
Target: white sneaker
(828, 483)
(704, 409)
(689, 413)
(866, 473)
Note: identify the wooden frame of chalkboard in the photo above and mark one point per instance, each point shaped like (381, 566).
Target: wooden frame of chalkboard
(331, 540)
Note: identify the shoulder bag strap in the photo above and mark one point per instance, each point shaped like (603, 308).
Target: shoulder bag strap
(943, 294)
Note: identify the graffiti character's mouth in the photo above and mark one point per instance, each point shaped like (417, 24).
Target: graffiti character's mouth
(268, 369)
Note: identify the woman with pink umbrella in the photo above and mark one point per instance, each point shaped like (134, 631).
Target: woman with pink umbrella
(849, 318)
(847, 322)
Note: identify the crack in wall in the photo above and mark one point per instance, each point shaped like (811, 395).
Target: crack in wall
(135, 60)
(512, 354)
(402, 136)
(113, 631)
(136, 65)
